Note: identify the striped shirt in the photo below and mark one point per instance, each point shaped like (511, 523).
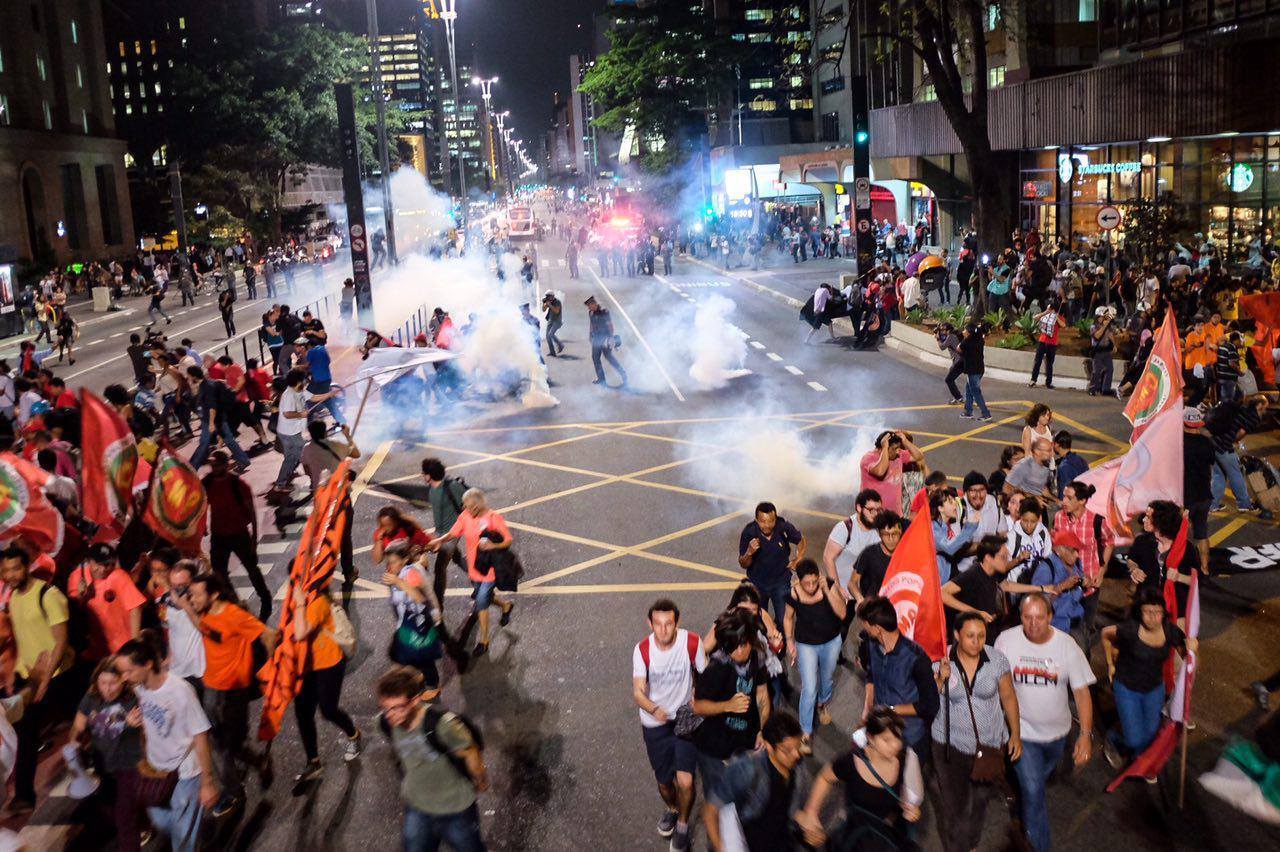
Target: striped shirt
(1084, 526)
(988, 712)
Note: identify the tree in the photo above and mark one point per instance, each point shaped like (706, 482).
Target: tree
(251, 108)
(1152, 226)
(949, 38)
(666, 68)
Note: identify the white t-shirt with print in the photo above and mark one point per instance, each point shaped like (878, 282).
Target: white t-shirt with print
(670, 678)
(186, 644)
(858, 539)
(171, 718)
(1043, 676)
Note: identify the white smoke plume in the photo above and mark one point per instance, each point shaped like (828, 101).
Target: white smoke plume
(719, 347)
(777, 460)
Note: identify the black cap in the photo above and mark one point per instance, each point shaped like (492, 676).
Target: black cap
(589, 300)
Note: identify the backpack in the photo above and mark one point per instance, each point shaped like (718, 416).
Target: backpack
(430, 722)
(692, 648)
(448, 492)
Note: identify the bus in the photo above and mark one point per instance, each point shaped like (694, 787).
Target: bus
(520, 223)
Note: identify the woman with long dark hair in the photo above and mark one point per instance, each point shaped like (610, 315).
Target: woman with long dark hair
(392, 526)
(110, 725)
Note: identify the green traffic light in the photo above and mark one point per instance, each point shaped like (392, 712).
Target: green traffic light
(861, 137)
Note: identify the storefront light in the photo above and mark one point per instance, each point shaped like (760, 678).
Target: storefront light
(1240, 178)
(1160, 139)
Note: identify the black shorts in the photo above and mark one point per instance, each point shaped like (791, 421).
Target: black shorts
(1199, 515)
(668, 754)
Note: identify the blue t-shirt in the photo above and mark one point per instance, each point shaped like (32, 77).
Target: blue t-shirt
(1068, 607)
(318, 364)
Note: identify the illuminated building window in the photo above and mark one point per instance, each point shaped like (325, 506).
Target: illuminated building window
(137, 48)
(41, 67)
(182, 23)
(79, 77)
(128, 109)
(75, 34)
(5, 118)
(48, 115)
(760, 83)
(84, 121)
(122, 49)
(995, 76)
(153, 47)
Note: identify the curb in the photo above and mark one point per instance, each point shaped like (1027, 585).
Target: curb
(900, 346)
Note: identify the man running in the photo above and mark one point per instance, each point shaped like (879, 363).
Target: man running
(603, 341)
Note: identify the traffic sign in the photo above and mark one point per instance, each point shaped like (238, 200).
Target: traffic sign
(358, 244)
(1109, 218)
(864, 226)
(357, 230)
(862, 193)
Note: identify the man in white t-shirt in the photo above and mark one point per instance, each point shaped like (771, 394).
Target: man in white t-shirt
(186, 643)
(849, 538)
(662, 670)
(294, 405)
(1048, 670)
(176, 733)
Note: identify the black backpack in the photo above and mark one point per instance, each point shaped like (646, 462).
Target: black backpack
(430, 722)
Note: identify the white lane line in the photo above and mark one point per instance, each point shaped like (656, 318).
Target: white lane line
(817, 387)
(274, 546)
(756, 344)
(645, 343)
(94, 342)
(179, 334)
(120, 334)
(795, 371)
(773, 356)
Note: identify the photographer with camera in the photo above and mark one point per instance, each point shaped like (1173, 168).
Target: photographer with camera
(949, 342)
(603, 340)
(1101, 345)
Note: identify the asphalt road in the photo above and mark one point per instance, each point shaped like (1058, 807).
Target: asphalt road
(618, 496)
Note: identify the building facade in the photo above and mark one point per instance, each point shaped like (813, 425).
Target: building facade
(462, 123)
(773, 99)
(65, 197)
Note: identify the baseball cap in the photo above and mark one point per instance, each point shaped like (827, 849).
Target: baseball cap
(1067, 538)
(1192, 416)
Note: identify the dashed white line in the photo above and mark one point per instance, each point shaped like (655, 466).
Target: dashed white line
(120, 334)
(95, 342)
(795, 371)
(773, 356)
(756, 344)
(817, 387)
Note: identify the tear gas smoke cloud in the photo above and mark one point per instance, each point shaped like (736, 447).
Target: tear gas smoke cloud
(719, 347)
(773, 459)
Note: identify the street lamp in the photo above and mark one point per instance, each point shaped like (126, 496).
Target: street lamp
(486, 92)
(449, 14)
(380, 103)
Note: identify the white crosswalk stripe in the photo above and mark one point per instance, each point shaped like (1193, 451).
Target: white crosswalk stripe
(817, 387)
(773, 356)
(274, 546)
(756, 344)
(795, 371)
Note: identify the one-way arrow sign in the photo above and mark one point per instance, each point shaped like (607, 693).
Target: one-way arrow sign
(1109, 218)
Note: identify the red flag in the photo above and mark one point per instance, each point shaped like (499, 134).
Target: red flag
(1150, 470)
(912, 584)
(24, 510)
(177, 506)
(318, 553)
(1160, 385)
(110, 462)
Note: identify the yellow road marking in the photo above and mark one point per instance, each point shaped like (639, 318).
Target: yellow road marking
(1091, 432)
(1229, 529)
(371, 467)
(964, 436)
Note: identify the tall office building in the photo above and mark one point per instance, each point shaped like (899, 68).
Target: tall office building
(462, 120)
(773, 98)
(59, 154)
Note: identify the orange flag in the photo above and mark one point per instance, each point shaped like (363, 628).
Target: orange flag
(177, 507)
(912, 584)
(318, 553)
(110, 462)
(24, 510)
(1160, 384)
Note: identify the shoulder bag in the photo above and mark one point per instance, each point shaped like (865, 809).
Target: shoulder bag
(988, 761)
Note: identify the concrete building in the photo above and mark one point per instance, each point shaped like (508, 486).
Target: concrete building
(773, 101)
(63, 193)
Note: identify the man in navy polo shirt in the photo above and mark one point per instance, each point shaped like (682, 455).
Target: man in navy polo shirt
(764, 552)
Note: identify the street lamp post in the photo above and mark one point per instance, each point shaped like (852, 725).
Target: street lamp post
(449, 14)
(380, 103)
(486, 94)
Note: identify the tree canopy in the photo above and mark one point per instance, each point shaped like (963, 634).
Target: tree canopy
(252, 107)
(666, 68)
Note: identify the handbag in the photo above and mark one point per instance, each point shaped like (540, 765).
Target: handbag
(988, 761)
(686, 721)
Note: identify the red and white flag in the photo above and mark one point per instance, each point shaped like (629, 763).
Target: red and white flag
(1150, 470)
(912, 584)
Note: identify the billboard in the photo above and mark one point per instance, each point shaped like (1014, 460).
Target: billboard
(7, 304)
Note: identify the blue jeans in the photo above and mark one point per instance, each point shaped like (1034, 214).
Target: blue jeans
(817, 664)
(484, 595)
(333, 404)
(973, 393)
(425, 832)
(775, 598)
(1034, 768)
(291, 446)
(1226, 470)
(206, 439)
(1139, 718)
(181, 820)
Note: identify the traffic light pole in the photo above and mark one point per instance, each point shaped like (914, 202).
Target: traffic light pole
(864, 234)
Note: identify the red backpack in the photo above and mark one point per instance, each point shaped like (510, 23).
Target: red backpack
(692, 648)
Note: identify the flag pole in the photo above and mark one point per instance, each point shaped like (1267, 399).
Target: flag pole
(368, 389)
(1182, 778)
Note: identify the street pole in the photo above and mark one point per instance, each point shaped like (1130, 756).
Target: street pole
(179, 213)
(380, 103)
(450, 16)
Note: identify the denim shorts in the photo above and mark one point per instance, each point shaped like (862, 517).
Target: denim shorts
(668, 754)
(483, 595)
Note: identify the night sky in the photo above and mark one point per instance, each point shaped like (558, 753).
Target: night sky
(526, 43)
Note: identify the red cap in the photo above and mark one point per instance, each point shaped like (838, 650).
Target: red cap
(1067, 538)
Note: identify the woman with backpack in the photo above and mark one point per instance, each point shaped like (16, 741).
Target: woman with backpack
(417, 640)
(323, 669)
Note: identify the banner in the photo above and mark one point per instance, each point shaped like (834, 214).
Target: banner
(912, 584)
(1160, 385)
(24, 510)
(110, 462)
(177, 507)
(1150, 470)
(1244, 559)
(312, 568)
